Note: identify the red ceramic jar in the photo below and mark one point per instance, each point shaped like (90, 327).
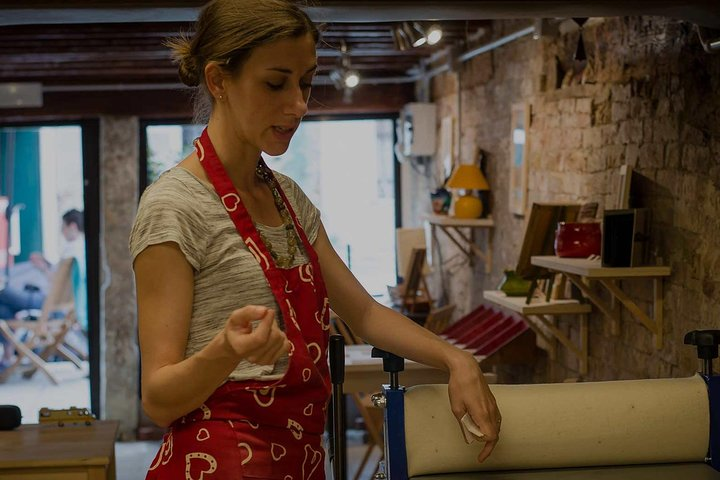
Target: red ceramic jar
(579, 240)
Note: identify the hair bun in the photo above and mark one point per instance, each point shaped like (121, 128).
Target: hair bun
(181, 48)
(187, 69)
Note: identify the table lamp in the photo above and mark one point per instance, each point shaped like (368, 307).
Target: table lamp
(468, 177)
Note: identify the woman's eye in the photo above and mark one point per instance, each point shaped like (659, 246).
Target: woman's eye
(305, 85)
(275, 86)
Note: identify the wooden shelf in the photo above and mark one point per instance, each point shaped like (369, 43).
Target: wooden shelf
(452, 227)
(537, 306)
(577, 270)
(594, 269)
(540, 316)
(448, 221)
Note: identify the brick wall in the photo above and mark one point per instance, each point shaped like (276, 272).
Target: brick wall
(649, 98)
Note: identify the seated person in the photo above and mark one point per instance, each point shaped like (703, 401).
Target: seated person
(28, 281)
(26, 289)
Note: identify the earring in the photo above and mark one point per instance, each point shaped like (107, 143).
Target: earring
(220, 97)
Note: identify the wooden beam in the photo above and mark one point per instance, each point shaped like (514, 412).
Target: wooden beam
(77, 105)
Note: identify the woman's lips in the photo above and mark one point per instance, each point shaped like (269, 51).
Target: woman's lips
(283, 133)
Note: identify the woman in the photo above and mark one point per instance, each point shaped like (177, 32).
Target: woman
(235, 273)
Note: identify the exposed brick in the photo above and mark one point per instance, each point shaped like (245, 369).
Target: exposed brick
(620, 93)
(654, 105)
(619, 111)
(591, 138)
(583, 105)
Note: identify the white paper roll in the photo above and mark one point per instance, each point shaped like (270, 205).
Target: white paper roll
(565, 425)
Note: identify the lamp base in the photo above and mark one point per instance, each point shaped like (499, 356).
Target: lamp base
(468, 206)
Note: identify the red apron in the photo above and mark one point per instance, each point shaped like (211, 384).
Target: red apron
(261, 429)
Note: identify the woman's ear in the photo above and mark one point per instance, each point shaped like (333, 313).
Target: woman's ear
(214, 79)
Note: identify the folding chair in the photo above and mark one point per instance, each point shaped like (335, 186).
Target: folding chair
(412, 295)
(44, 331)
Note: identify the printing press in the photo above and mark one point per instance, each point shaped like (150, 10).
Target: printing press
(657, 429)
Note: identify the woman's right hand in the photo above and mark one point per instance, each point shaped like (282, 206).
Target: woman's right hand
(262, 345)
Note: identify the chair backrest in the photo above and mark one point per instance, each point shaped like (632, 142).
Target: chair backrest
(438, 318)
(414, 271)
(60, 296)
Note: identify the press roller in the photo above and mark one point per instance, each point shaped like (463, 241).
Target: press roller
(635, 429)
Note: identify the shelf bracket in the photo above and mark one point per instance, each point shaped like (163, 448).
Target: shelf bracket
(580, 349)
(610, 312)
(655, 324)
(466, 244)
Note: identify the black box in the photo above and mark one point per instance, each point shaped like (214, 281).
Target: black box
(625, 237)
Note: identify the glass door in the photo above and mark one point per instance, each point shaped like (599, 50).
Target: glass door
(43, 264)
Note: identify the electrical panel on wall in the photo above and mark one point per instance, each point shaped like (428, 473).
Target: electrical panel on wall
(417, 129)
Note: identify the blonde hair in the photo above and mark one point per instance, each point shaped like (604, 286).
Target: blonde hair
(226, 32)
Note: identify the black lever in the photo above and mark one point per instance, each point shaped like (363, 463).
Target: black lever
(391, 364)
(706, 342)
(337, 377)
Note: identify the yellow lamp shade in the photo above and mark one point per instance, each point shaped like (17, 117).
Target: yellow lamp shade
(469, 177)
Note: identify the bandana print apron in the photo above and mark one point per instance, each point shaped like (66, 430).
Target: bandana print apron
(260, 429)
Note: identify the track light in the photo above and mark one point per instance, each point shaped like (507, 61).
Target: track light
(412, 34)
(351, 79)
(400, 39)
(344, 77)
(434, 34)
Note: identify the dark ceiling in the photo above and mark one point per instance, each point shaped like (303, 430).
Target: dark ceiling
(84, 49)
(133, 53)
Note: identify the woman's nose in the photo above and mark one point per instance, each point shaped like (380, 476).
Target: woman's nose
(298, 102)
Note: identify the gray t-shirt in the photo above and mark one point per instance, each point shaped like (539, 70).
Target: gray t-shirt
(181, 208)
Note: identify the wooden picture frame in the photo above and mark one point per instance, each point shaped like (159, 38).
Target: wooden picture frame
(622, 194)
(519, 149)
(539, 236)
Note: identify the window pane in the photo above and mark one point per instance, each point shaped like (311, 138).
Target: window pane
(167, 145)
(344, 167)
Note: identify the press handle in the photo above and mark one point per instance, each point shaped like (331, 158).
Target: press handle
(706, 342)
(391, 364)
(337, 359)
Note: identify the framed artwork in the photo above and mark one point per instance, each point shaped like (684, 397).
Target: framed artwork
(622, 194)
(520, 123)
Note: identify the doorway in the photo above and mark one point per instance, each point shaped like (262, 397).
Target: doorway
(43, 193)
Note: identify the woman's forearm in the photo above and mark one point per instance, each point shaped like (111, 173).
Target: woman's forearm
(174, 390)
(389, 330)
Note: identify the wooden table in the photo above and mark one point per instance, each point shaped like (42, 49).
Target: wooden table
(49, 452)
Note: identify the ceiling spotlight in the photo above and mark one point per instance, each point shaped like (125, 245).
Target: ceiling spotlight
(351, 79)
(434, 34)
(415, 37)
(421, 39)
(400, 39)
(343, 79)
(344, 76)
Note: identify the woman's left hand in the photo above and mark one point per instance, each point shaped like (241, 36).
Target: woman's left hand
(469, 393)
